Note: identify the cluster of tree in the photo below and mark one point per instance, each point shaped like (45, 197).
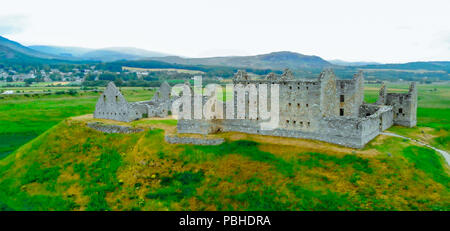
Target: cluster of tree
(155, 75)
(121, 83)
(210, 71)
(430, 66)
(28, 67)
(139, 83)
(112, 76)
(393, 75)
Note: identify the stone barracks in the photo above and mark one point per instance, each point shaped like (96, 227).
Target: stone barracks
(326, 109)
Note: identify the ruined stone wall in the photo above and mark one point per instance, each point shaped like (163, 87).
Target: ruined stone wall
(367, 110)
(404, 107)
(299, 105)
(191, 140)
(112, 105)
(350, 95)
(161, 103)
(383, 113)
(370, 128)
(386, 118)
(111, 128)
(341, 130)
(307, 109)
(382, 95)
(325, 109)
(329, 104)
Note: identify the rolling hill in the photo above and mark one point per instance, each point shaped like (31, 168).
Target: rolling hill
(347, 63)
(105, 54)
(61, 51)
(73, 167)
(430, 66)
(11, 51)
(274, 60)
(15, 48)
(305, 66)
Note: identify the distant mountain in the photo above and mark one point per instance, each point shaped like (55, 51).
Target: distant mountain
(106, 54)
(303, 65)
(136, 51)
(274, 60)
(430, 66)
(14, 51)
(61, 51)
(346, 63)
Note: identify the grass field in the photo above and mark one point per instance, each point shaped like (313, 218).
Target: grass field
(72, 167)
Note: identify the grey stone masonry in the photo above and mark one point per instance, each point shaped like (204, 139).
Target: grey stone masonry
(326, 109)
(112, 105)
(191, 140)
(111, 128)
(404, 106)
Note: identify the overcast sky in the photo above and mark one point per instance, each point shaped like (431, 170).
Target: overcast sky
(383, 31)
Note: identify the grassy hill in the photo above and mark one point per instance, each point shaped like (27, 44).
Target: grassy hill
(14, 53)
(26, 116)
(105, 54)
(274, 60)
(10, 49)
(72, 167)
(61, 51)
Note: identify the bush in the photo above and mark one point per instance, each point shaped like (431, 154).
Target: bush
(72, 92)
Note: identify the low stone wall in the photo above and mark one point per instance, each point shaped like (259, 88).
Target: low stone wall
(190, 140)
(110, 128)
(342, 131)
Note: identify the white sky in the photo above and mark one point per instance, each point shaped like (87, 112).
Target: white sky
(383, 31)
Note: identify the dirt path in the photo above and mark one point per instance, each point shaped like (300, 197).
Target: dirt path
(442, 152)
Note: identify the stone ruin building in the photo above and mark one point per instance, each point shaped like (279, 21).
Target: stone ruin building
(112, 105)
(326, 109)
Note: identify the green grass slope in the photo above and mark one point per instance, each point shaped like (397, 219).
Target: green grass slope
(72, 167)
(24, 117)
